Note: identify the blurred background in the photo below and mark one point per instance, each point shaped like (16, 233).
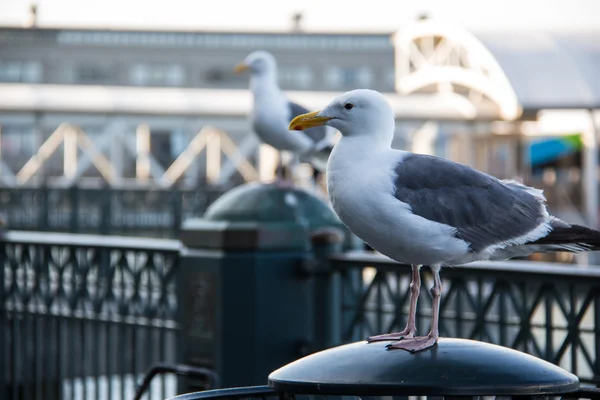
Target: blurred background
(131, 95)
(126, 118)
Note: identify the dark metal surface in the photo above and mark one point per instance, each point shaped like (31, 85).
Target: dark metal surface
(455, 367)
(233, 393)
(265, 392)
(551, 311)
(592, 393)
(211, 379)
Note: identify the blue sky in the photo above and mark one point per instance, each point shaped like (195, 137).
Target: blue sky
(323, 15)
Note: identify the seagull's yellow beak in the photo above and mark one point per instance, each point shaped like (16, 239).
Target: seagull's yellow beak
(241, 67)
(309, 120)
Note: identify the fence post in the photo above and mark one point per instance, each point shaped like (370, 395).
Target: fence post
(44, 207)
(105, 215)
(177, 211)
(74, 203)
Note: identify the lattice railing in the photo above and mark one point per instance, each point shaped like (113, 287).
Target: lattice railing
(82, 316)
(548, 310)
(142, 212)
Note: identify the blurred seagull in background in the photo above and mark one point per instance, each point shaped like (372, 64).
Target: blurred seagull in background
(425, 210)
(272, 112)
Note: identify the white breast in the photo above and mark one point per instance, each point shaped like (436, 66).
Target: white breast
(361, 187)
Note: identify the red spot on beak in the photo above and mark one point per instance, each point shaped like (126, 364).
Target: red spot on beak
(297, 128)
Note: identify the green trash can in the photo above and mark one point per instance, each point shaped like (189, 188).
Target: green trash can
(246, 305)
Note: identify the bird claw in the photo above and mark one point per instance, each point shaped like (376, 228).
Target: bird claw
(391, 336)
(414, 344)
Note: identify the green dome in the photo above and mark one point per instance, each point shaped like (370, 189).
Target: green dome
(257, 202)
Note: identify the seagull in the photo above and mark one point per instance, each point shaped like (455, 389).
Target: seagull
(426, 210)
(272, 111)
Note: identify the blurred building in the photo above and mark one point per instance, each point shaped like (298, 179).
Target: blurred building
(130, 103)
(167, 76)
(192, 59)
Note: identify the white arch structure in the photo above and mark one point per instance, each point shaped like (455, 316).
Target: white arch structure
(430, 53)
(433, 56)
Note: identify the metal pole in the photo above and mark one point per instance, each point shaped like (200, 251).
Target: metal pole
(590, 172)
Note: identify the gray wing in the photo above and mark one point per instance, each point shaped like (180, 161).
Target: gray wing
(483, 209)
(316, 134)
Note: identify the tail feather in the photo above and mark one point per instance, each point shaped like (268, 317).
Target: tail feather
(573, 238)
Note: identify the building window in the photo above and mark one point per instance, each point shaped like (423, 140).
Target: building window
(91, 74)
(348, 77)
(295, 77)
(223, 77)
(20, 71)
(17, 140)
(157, 75)
(390, 78)
(88, 74)
(220, 40)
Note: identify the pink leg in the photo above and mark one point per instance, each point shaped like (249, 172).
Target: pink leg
(283, 174)
(420, 343)
(409, 331)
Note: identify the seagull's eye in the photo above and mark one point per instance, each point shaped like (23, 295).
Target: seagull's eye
(348, 106)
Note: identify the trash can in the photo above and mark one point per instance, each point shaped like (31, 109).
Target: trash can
(246, 306)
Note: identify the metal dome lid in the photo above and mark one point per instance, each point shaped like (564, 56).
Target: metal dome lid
(452, 367)
(258, 202)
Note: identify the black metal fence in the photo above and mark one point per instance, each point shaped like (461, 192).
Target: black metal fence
(549, 311)
(105, 211)
(83, 316)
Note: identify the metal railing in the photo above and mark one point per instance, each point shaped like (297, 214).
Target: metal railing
(140, 212)
(83, 316)
(551, 311)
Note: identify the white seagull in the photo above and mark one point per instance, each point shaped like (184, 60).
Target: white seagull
(426, 210)
(272, 111)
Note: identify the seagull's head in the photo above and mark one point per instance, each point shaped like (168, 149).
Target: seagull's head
(257, 63)
(355, 113)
